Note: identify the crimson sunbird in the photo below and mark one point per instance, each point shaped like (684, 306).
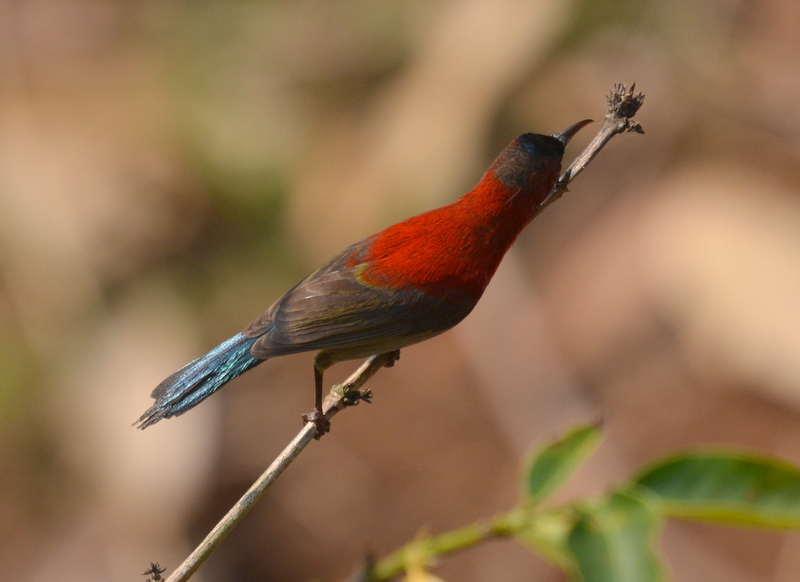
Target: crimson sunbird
(406, 284)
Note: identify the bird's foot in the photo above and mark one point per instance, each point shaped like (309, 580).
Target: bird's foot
(393, 357)
(322, 424)
(353, 397)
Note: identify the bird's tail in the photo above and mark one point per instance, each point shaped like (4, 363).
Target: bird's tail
(199, 379)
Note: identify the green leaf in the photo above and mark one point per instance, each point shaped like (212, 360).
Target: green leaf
(614, 542)
(725, 486)
(552, 465)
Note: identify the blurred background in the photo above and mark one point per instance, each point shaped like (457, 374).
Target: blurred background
(168, 169)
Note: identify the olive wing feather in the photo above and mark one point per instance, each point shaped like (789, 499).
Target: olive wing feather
(332, 308)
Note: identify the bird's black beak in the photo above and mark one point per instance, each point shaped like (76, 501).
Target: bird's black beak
(570, 132)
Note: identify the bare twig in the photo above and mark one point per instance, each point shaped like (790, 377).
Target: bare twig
(622, 105)
(345, 394)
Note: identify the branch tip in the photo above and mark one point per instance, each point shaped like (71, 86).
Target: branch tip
(622, 104)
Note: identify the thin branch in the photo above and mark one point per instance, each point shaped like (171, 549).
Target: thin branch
(622, 105)
(341, 396)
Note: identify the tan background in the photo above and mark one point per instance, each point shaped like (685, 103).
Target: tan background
(168, 168)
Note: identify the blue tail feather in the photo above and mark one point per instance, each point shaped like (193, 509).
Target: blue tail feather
(199, 379)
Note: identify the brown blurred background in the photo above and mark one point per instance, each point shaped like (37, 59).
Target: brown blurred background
(168, 168)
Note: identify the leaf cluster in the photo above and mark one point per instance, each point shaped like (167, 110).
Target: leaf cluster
(614, 537)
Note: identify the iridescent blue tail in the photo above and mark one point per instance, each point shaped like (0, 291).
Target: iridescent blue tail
(199, 379)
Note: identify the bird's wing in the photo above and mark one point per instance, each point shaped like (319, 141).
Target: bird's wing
(332, 308)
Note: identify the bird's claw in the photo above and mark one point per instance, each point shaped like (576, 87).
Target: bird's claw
(353, 397)
(321, 423)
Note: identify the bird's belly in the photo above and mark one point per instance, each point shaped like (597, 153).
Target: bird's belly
(326, 358)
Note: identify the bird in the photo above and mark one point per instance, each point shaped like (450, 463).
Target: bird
(406, 284)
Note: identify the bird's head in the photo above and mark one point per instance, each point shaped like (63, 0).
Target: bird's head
(533, 159)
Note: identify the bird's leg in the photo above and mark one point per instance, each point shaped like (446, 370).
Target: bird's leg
(316, 416)
(350, 398)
